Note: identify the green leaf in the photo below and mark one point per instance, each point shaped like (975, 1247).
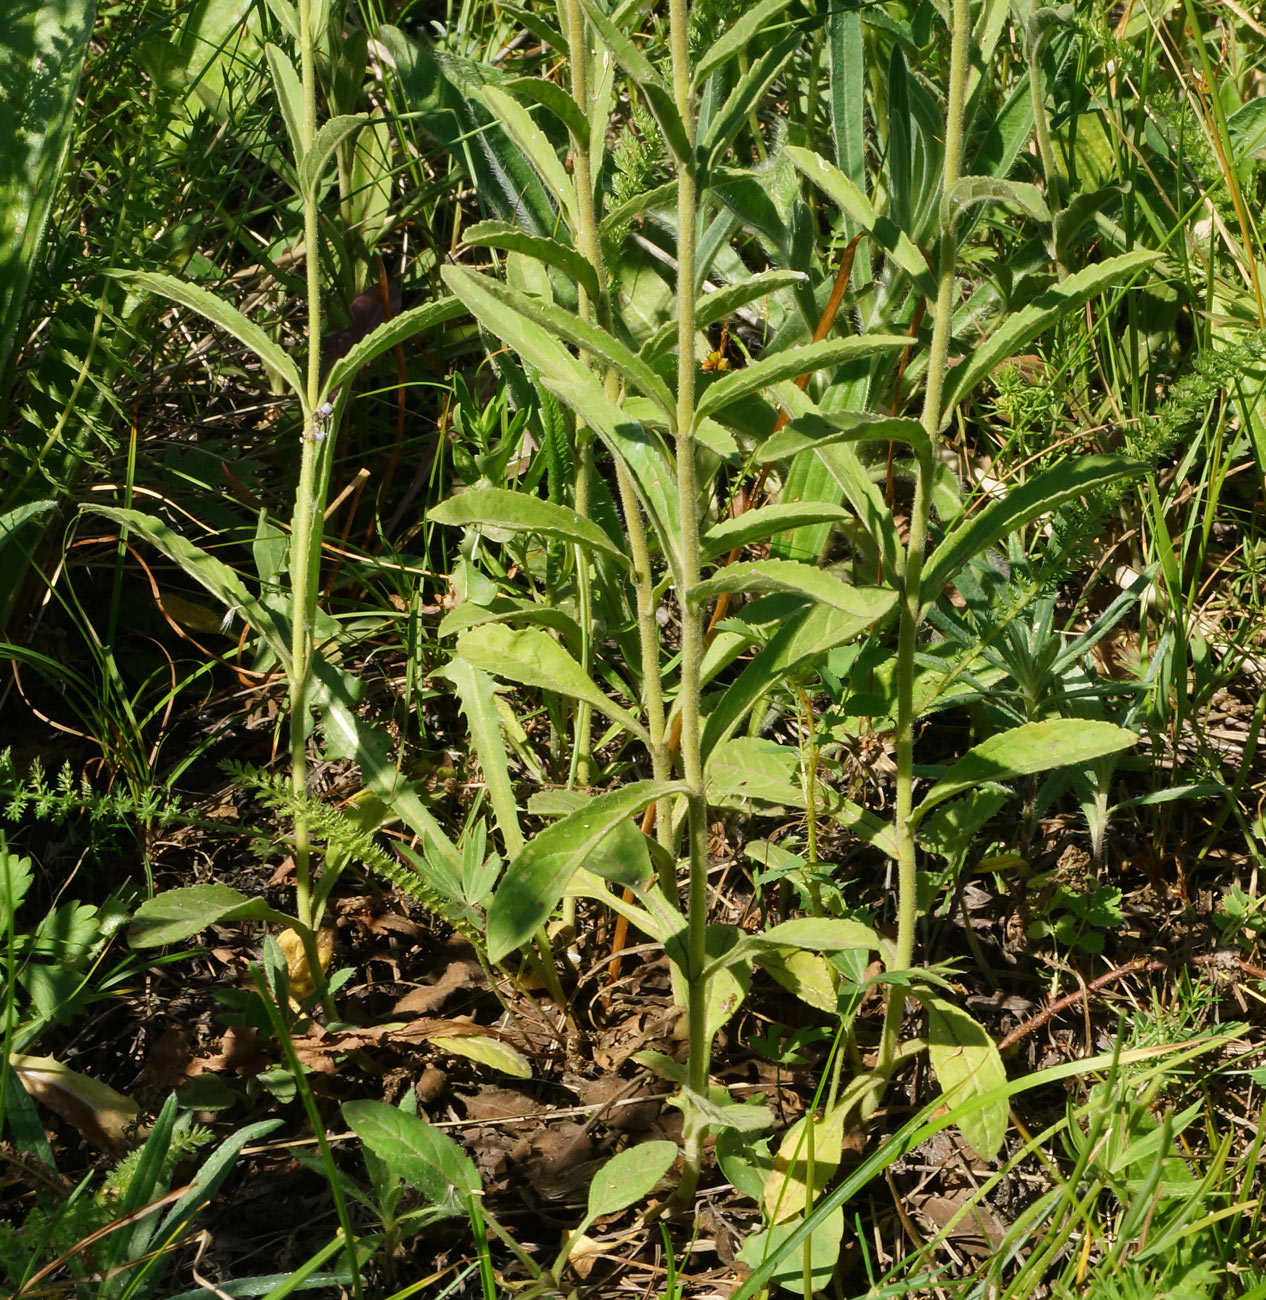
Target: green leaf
(790, 365)
(412, 1149)
(535, 880)
(13, 519)
(968, 191)
(441, 91)
(867, 604)
(629, 1177)
(385, 337)
(1031, 747)
(346, 735)
(1024, 326)
(755, 525)
(329, 136)
(747, 767)
(819, 934)
(179, 914)
(500, 234)
(719, 304)
(810, 1144)
(214, 577)
(967, 1065)
(220, 313)
(786, 1266)
(42, 51)
(818, 429)
(489, 300)
(289, 91)
(486, 1051)
(800, 638)
(15, 880)
(750, 91)
(847, 79)
(736, 37)
(641, 450)
(536, 148)
(479, 705)
(519, 512)
(975, 533)
(859, 209)
(534, 658)
(1247, 129)
(552, 96)
(647, 80)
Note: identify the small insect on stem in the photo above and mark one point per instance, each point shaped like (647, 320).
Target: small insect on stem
(320, 427)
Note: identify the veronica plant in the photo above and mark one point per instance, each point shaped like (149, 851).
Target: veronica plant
(665, 429)
(283, 613)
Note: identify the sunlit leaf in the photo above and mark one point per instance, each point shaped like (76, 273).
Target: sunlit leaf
(629, 1176)
(519, 512)
(967, 1065)
(1031, 747)
(535, 880)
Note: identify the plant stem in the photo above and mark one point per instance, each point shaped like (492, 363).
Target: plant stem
(909, 609)
(692, 637)
(305, 535)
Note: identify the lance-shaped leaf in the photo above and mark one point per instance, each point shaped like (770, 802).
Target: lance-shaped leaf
(1024, 326)
(858, 208)
(968, 191)
(755, 525)
(640, 449)
(719, 304)
(289, 91)
(500, 234)
(535, 880)
(576, 386)
(802, 637)
(868, 603)
(441, 92)
(967, 1065)
(790, 365)
(42, 49)
(534, 658)
(520, 513)
(975, 533)
(490, 298)
(628, 1177)
(736, 36)
(329, 136)
(214, 577)
(551, 95)
(220, 313)
(479, 705)
(179, 914)
(1021, 751)
(644, 76)
(817, 429)
(536, 148)
(743, 100)
(384, 337)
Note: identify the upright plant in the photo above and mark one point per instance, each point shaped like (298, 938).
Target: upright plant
(619, 394)
(287, 622)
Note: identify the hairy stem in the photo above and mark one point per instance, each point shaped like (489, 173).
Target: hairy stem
(910, 609)
(692, 633)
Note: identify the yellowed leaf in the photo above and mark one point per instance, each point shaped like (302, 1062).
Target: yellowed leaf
(806, 1161)
(102, 1116)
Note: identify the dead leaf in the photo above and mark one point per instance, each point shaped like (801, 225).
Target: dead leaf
(291, 945)
(101, 1116)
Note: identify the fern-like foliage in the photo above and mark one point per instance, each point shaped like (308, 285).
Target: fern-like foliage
(346, 842)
